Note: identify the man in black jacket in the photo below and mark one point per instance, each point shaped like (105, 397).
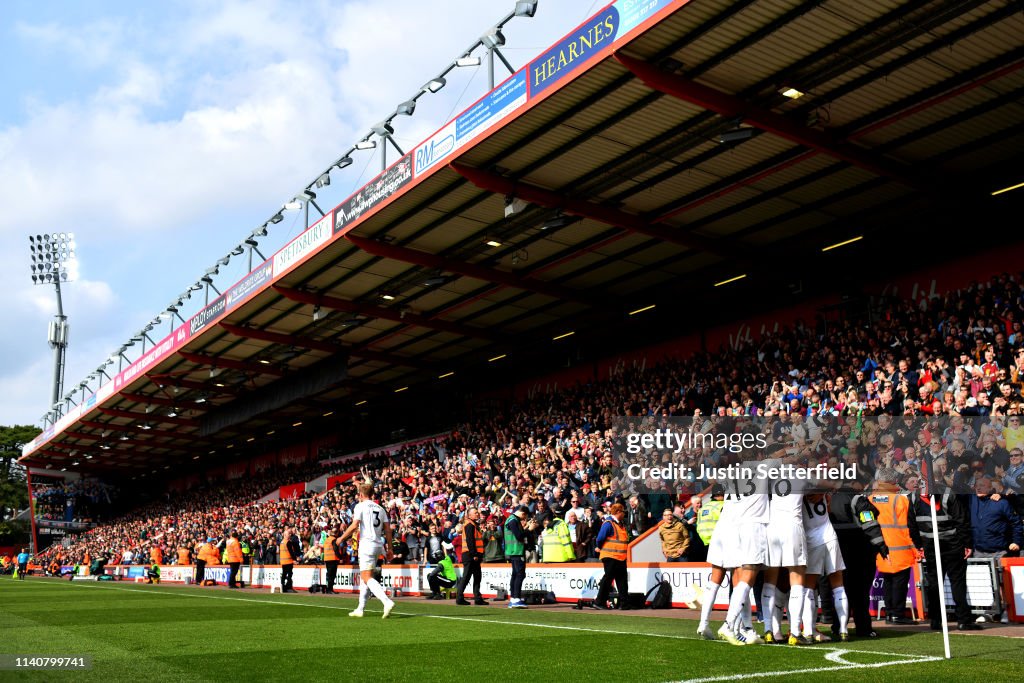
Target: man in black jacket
(472, 556)
(955, 545)
(855, 521)
(291, 543)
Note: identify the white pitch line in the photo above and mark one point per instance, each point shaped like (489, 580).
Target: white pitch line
(848, 666)
(817, 648)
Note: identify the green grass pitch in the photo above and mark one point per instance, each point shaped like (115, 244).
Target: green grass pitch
(171, 633)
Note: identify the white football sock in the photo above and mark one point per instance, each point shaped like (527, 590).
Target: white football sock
(746, 619)
(739, 596)
(378, 591)
(768, 607)
(710, 596)
(363, 594)
(810, 611)
(842, 607)
(796, 608)
(780, 600)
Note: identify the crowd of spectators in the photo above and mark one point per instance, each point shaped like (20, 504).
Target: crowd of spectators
(950, 366)
(82, 501)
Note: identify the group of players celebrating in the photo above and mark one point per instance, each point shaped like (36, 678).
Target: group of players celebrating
(787, 529)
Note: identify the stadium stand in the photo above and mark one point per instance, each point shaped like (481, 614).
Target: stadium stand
(958, 355)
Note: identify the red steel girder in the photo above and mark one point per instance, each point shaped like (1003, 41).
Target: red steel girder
(150, 417)
(578, 207)
(136, 428)
(174, 381)
(154, 400)
(279, 338)
(317, 345)
(231, 364)
(383, 313)
(731, 106)
(422, 258)
(81, 435)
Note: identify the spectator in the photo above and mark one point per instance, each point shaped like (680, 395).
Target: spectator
(995, 524)
(675, 537)
(638, 517)
(493, 547)
(581, 536)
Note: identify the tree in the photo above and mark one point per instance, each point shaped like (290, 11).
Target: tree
(13, 491)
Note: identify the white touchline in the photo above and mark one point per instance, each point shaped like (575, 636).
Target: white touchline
(916, 659)
(165, 590)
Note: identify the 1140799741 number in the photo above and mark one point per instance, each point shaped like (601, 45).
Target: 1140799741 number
(44, 662)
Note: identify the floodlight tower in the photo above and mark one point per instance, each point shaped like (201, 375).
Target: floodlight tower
(52, 256)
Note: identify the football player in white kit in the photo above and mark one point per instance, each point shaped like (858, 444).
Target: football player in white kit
(745, 551)
(371, 521)
(723, 534)
(787, 548)
(823, 558)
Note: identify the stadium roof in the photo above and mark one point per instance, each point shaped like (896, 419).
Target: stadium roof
(644, 159)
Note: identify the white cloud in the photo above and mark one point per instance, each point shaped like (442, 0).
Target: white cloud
(92, 45)
(195, 130)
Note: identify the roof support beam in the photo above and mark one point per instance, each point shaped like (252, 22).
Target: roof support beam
(284, 339)
(422, 258)
(255, 368)
(578, 207)
(173, 381)
(136, 428)
(395, 315)
(317, 345)
(152, 400)
(154, 417)
(733, 107)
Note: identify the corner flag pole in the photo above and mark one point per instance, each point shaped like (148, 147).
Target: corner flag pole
(939, 574)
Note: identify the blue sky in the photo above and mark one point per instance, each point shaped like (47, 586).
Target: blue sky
(161, 134)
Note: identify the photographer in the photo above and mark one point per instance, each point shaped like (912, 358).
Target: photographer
(493, 547)
(414, 536)
(434, 546)
(443, 575)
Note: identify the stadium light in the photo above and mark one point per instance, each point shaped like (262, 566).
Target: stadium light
(732, 279)
(526, 8)
(366, 144)
(736, 135)
(343, 162)
(1008, 189)
(467, 61)
(324, 180)
(406, 108)
(843, 244)
(435, 84)
(492, 39)
(52, 258)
